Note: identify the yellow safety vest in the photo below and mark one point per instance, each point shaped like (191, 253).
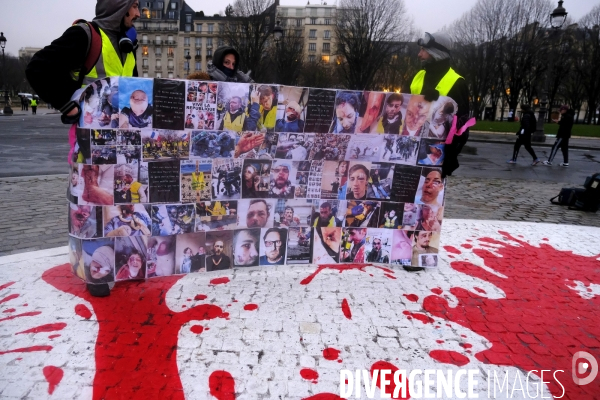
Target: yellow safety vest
(134, 189)
(269, 121)
(444, 86)
(109, 63)
(197, 180)
(33, 103)
(236, 125)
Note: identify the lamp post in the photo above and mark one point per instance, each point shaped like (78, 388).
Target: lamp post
(7, 109)
(187, 66)
(557, 20)
(277, 32)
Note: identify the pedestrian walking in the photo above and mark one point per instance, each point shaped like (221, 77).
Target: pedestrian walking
(565, 124)
(33, 106)
(528, 126)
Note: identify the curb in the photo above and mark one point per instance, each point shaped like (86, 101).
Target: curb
(536, 144)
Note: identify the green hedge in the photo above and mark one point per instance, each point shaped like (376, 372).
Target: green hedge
(578, 129)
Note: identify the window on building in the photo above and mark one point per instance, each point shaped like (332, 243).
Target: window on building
(298, 22)
(146, 13)
(144, 50)
(220, 42)
(209, 42)
(298, 32)
(145, 75)
(186, 65)
(198, 66)
(160, 4)
(157, 14)
(313, 21)
(170, 76)
(327, 35)
(171, 14)
(209, 53)
(144, 39)
(173, 5)
(147, 4)
(187, 52)
(198, 42)
(198, 52)
(144, 25)
(186, 41)
(144, 62)
(198, 27)
(158, 51)
(326, 47)
(312, 47)
(188, 28)
(325, 59)
(158, 63)
(170, 64)
(312, 34)
(170, 39)
(221, 28)
(327, 21)
(211, 28)
(311, 58)
(170, 52)
(158, 39)
(158, 75)
(188, 18)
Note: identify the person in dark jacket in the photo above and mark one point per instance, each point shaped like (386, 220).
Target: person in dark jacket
(223, 67)
(528, 126)
(565, 124)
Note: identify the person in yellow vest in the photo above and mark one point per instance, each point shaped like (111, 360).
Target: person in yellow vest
(268, 108)
(33, 105)
(54, 71)
(437, 78)
(138, 195)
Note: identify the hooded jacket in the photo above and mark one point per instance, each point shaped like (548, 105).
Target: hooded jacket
(49, 71)
(217, 75)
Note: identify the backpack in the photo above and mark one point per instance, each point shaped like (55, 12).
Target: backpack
(567, 196)
(94, 48)
(584, 199)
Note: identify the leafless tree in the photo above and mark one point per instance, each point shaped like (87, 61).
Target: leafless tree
(367, 32)
(588, 60)
(288, 57)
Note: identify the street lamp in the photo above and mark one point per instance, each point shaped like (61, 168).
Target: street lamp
(187, 58)
(277, 32)
(557, 20)
(7, 109)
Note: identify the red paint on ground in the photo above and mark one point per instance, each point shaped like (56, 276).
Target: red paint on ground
(389, 271)
(309, 374)
(339, 267)
(437, 291)
(59, 326)
(390, 276)
(466, 345)
(466, 246)
(135, 315)
(200, 297)
(421, 317)
(449, 357)
(346, 309)
(5, 285)
(389, 389)
(219, 281)
(331, 354)
(83, 311)
(546, 239)
(28, 349)
(26, 314)
(197, 329)
(478, 289)
(10, 310)
(411, 297)
(251, 307)
(452, 249)
(439, 341)
(53, 375)
(536, 292)
(9, 297)
(324, 396)
(222, 385)
(53, 336)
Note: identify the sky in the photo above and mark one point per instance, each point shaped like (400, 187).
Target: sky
(36, 22)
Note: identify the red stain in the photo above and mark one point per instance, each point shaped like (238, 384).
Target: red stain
(26, 314)
(346, 309)
(45, 328)
(536, 291)
(466, 246)
(449, 357)
(28, 349)
(546, 239)
(390, 276)
(222, 385)
(331, 354)
(462, 335)
(25, 305)
(389, 271)
(197, 329)
(132, 318)
(450, 256)
(437, 291)
(83, 311)
(235, 301)
(389, 389)
(200, 297)
(10, 310)
(309, 374)
(339, 267)
(5, 285)
(184, 306)
(53, 375)
(466, 345)
(480, 290)
(219, 281)
(188, 300)
(324, 396)
(411, 297)
(452, 249)
(8, 298)
(251, 307)
(421, 317)
(53, 336)
(439, 341)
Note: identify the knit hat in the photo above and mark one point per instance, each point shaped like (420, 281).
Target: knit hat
(295, 106)
(105, 256)
(437, 44)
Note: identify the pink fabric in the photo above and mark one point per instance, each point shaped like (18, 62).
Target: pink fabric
(72, 142)
(462, 130)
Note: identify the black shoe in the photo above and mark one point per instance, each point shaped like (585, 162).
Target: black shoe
(412, 269)
(101, 290)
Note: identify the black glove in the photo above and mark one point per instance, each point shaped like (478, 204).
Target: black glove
(430, 94)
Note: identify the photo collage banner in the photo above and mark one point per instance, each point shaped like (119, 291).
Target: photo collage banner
(179, 176)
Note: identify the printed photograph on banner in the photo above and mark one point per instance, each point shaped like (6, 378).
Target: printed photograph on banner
(85, 221)
(169, 104)
(165, 145)
(378, 246)
(328, 213)
(129, 154)
(431, 152)
(299, 246)
(127, 220)
(129, 137)
(405, 183)
(364, 147)
(163, 178)
(173, 219)
(381, 178)
(313, 184)
(402, 247)
(391, 118)
(129, 188)
(326, 245)
(430, 218)
(104, 155)
(291, 109)
(226, 178)
(218, 248)
(200, 105)
(82, 152)
(130, 257)
(75, 183)
(346, 110)
(103, 137)
(319, 110)
(329, 146)
(76, 258)
(411, 215)
(358, 185)
(424, 243)
(418, 112)
(100, 108)
(160, 260)
(273, 245)
(400, 149)
(99, 260)
(293, 213)
(190, 253)
(251, 144)
(331, 182)
(135, 103)
(295, 146)
(211, 144)
(245, 247)
(442, 113)
(283, 180)
(256, 213)
(216, 215)
(371, 106)
(256, 179)
(236, 110)
(268, 97)
(196, 180)
(98, 182)
(390, 216)
(362, 214)
(431, 187)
